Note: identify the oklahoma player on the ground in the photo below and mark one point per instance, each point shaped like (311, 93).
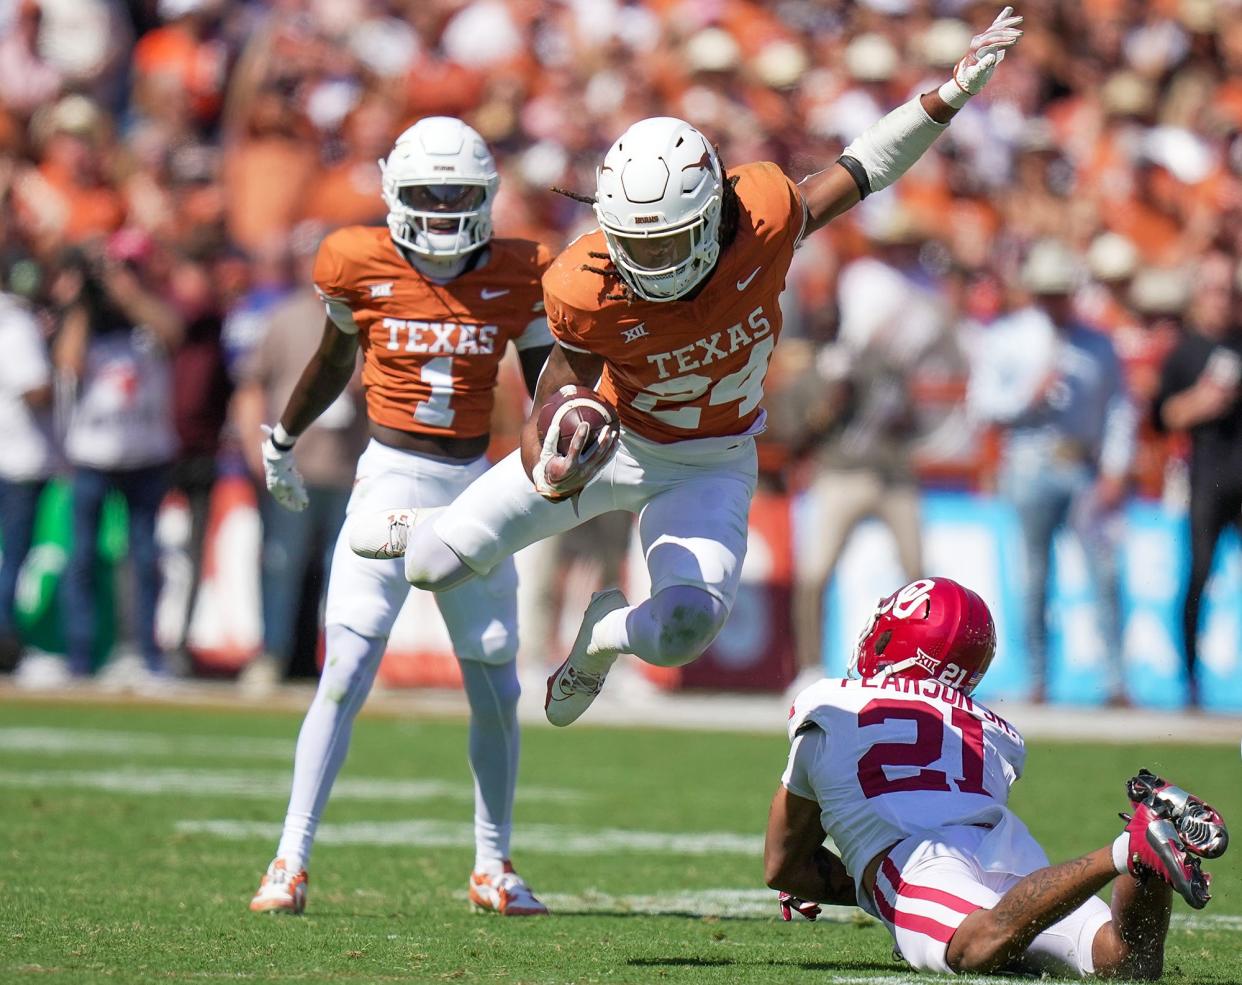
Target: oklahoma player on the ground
(909, 776)
(432, 301)
(675, 302)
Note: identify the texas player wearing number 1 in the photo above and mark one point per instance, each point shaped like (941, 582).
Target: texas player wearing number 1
(433, 301)
(909, 775)
(672, 307)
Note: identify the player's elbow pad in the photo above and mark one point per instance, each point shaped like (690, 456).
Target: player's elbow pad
(889, 147)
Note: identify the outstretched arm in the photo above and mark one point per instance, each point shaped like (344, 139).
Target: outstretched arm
(888, 148)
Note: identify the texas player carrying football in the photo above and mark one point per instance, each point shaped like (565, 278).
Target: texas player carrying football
(672, 306)
(432, 301)
(909, 775)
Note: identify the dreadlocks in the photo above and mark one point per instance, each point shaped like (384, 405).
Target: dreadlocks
(730, 215)
(730, 209)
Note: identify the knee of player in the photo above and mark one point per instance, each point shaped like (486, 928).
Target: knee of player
(689, 619)
(430, 564)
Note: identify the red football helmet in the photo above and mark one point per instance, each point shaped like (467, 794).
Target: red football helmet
(931, 628)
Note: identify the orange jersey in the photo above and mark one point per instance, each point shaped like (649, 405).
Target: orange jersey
(691, 368)
(431, 351)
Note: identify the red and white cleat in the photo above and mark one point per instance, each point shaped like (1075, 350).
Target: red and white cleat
(1199, 825)
(504, 892)
(1155, 847)
(281, 891)
(571, 689)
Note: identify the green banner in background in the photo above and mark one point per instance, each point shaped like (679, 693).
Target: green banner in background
(39, 616)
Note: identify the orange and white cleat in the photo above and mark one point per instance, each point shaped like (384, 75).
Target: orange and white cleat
(281, 891)
(504, 892)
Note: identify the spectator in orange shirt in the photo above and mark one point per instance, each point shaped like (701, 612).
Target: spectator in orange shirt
(70, 197)
(184, 50)
(267, 168)
(348, 192)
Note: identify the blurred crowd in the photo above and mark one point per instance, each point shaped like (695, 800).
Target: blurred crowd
(175, 162)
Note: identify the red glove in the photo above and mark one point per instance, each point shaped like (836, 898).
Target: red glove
(790, 903)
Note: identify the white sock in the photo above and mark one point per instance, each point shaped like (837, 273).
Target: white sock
(609, 638)
(492, 691)
(349, 670)
(668, 630)
(1121, 853)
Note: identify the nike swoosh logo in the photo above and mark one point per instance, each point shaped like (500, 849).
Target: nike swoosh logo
(743, 284)
(489, 294)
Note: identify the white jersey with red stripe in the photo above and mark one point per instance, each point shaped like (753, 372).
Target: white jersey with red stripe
(902, 757)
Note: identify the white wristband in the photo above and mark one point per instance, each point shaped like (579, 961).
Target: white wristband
(281, 438)
(952, 94)
(889, 147)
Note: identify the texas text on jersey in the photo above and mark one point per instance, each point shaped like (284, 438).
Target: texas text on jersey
(432, 347)
(692, 368)
(905, 755)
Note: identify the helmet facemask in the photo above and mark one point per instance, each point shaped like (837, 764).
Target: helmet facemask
(440, 220)
(666, 262)
(438, 183)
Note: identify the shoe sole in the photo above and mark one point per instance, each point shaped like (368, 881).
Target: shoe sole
(1197, 828)
(1161, 836)
(292, 911)
(483, 908)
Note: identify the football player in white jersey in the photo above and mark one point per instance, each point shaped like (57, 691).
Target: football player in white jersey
(909, 776)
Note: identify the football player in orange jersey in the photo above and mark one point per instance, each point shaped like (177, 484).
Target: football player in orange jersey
(432, 301)
(672, 308)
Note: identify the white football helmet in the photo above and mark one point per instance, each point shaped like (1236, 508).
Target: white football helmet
(657, 197)
(438, 183)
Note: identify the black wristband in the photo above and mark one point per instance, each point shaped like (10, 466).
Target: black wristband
(277, 443)
(858, 173)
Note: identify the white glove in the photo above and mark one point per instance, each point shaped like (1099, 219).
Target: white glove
(283, 480)
(559, 477)
(987, 50)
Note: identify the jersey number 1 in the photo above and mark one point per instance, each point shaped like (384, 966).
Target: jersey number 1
(927, 748)
(437, 375)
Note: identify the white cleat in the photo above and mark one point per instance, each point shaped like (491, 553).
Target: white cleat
(384, 535)
(505, 893)
(281, 891)
(571, 690)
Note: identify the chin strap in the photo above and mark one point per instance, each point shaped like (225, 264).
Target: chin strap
(441, 268)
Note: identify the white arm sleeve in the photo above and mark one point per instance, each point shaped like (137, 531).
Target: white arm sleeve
(889, 147)
(341, 314)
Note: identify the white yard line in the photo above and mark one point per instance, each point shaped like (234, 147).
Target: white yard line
(549, 838)
(147, 781)
(105, 742)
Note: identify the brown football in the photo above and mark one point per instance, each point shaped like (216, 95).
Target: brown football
(569, 407)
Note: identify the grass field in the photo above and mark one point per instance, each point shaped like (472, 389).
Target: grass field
(134, 836)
